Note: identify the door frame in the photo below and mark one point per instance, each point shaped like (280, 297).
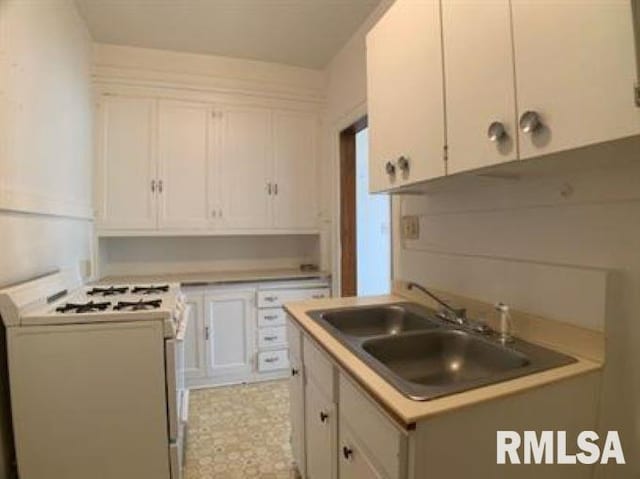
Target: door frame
(348, 257)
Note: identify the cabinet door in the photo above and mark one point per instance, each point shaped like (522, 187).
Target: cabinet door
(228, 332)
(405, 94)
(320, 431)
(575, 68)
(245, 165)
(183, 168)
(127, 167)
(296, 413)
(353, 462)
(294, 149)
(478, 60)
(194, 343)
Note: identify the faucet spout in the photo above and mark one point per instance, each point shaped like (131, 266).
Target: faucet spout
(459, 315)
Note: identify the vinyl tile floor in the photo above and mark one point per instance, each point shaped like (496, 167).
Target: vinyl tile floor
(238, 432)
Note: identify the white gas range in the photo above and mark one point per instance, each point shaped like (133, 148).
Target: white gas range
(96, 378)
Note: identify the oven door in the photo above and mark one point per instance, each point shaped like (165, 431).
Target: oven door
(176, 393)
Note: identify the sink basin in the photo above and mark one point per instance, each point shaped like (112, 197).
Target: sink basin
(424, 357)
(440, 358)
(377, 320)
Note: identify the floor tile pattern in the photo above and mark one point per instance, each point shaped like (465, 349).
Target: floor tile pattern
(239, 432)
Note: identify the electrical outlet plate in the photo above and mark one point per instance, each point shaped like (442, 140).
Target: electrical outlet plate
(410, 227)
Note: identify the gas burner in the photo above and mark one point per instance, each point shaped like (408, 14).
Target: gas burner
(89, 307)
(150, 289)
(140, 305)
(110, 291)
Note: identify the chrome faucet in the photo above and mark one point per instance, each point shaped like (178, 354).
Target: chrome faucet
(448, 313)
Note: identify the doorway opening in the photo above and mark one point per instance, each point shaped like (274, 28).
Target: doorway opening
(365, 235)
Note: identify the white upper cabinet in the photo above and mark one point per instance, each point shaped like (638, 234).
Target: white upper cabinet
(405, 95)
(245, 163)
(522, 79)
(480, 96)
(575, 71)
(294, 190)
(126, 164)
(194, 168)
(182, 165)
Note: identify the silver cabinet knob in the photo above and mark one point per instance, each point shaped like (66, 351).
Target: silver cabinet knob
(496, 131)
(390, 168)
(530, 122)
(403, 163)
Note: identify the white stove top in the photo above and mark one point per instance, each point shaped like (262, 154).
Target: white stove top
(90, 304)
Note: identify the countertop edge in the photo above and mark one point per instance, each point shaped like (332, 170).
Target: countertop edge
(217, 278)
(407, 412)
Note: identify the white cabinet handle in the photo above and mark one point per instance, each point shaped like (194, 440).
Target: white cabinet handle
(160, 186)
(271, 360)
(271, 317)
(270, 338)
(206, 333)
(271, 299)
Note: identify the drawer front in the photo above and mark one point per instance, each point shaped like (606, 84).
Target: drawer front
(318, 368)
(273, 360)
(272, 337)
(378, 436)
(294, 338)
(272, 317)
(277, 297)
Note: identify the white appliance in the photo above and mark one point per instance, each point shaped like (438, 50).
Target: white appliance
(96, 378)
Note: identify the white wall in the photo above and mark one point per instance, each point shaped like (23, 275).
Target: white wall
(45, 143)
(45, 160)
(123, 256)
(373, 219)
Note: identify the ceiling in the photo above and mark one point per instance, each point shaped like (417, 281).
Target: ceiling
(305, 33)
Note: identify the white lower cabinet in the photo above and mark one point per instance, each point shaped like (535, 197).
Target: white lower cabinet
(231, 340)
(354, 462)
(321, 432)
(296, 412)
(195, 359)
(339, 431)
(349, 437)
(228, 332)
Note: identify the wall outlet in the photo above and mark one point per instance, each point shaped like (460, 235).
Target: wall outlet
(410, 227)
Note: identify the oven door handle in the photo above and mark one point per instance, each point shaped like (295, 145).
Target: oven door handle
(183, 323)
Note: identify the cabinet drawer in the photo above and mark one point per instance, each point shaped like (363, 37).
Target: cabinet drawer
(318, 368)
(381, 440)
(273, 360)
(270, 337)
(277, 297)
(294, 338)
(271, 317)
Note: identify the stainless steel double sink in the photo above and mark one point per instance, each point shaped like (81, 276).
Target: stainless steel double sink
(425, 357)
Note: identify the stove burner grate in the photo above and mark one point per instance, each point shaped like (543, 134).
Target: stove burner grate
(150, 289)
(110, 291)
(89, 307)
(137, 305)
